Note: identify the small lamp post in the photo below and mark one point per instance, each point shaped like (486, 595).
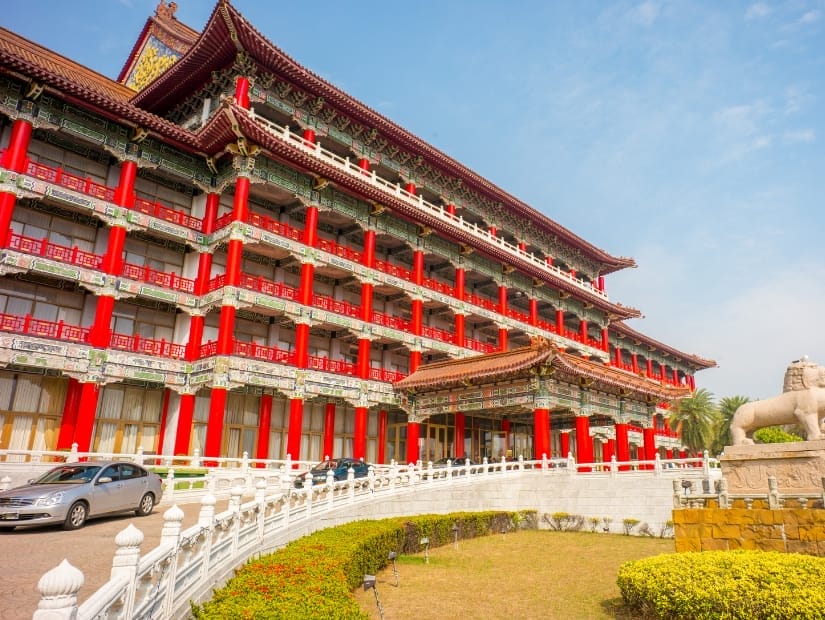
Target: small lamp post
(369, 582)
(426, 542)
(455, 536)
(391, 558)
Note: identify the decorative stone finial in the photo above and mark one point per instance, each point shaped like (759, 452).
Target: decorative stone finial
(63, 580)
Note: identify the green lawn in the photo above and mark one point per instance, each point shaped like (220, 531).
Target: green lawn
(524, 575)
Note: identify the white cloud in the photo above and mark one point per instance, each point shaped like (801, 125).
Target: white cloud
(810, 17)
(646, 13)
(799, 136)
(757, 11)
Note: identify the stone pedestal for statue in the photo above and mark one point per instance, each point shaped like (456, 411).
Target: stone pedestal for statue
(799, 467)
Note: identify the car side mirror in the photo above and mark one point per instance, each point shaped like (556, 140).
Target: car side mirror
(103, 479)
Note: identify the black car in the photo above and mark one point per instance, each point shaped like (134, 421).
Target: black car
(339, 468)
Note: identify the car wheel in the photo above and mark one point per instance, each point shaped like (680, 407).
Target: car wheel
(147, 503)
(6, 528)
(76, 517)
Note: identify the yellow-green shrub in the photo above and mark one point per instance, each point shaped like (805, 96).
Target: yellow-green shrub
(725, 584)
(314, 577)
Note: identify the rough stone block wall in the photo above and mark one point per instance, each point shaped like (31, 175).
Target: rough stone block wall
(791, 529)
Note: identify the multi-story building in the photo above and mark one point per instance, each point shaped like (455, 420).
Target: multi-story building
(222, 251)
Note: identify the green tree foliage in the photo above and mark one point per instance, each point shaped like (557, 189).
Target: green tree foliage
(697, 416)
(727, 407)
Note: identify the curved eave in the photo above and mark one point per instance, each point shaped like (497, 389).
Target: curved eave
(293, 154)
(699, 363)
(216, 48)
(614, 380)
(474, 370)
(70, 81)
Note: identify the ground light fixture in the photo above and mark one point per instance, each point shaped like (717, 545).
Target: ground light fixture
(686, 484)
(392, 556)
(426, 543)
(455, 536)
(370, 583)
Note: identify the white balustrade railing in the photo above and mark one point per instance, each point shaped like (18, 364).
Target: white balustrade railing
(188, 563)
(343, 163)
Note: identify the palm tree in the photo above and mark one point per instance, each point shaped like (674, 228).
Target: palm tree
(696, 417)
(727, 407)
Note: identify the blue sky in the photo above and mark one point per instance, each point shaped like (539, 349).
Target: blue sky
(688, 135)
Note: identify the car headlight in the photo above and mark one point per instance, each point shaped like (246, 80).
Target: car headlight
(50, 500)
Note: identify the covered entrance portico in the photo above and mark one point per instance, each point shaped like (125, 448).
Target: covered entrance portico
(534, 401)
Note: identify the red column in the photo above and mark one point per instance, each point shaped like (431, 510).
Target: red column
(86, 416)
(522, 246)
(564, 439)
(458, 438)
(382, 436)
(649, 436)
(493, 231)
(410, 188)
(413, 428)
(634, 362)
(365, 314)
(583, 331)
(675, 377)
(608, 450)
(605, 340)
(296, 419)
(100, 333)
(618, 356)
(264, 424)
(600, 283)
(541, 433)
(15, 158)
(164, 415)
(242, 92)
(451, 209)
(296, 405)
(649, 368)
(359, 440)
(69, 418)
(460, 338)
(534, 312)
(669, 453)
(364, 164)
(329, 430)
(417, 304)
(502, 309)
(226, 322)
(505, 426)
(186, 409)
(622, 445)
(560, 322)
(583, 445)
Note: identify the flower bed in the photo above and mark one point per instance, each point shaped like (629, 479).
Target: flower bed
(314, 577)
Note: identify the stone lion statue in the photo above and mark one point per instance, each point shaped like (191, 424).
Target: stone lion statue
(802, 402)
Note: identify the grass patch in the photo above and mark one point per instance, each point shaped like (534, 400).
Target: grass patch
(528, 574)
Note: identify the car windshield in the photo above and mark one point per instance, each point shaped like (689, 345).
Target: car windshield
(69, 474)
(324, 465)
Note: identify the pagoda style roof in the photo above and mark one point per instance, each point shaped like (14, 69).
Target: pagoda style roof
(227, 33)
(161, 32)
(624, 331)
(78, 84)
(544, 359)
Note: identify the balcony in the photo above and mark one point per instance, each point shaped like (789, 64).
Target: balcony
(396, 191)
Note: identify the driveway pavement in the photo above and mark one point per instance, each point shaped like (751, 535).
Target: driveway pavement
(25, 554)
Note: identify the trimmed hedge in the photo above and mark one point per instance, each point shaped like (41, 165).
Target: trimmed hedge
(725, 584)
(314, 577)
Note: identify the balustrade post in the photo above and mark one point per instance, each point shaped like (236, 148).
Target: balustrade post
(73, 454)
(170, 535)
(5, 483)
(351, 485)
(484, 464)
(139, 455)
(430, 477)
(125, 564)
(521, 462)
(614, 470)
(195, 461)
(245, 470)
(260, 499)
(394, 475)
(371, 479)
(706, 464)
(58, 593)
(657, 466)
(544, 463)
(571, 464)
(169, 493)
(206, 521)
(677, 493)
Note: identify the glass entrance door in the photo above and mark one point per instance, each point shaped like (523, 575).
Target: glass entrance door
(436, 442)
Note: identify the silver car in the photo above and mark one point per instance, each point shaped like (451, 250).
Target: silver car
(74, 492)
